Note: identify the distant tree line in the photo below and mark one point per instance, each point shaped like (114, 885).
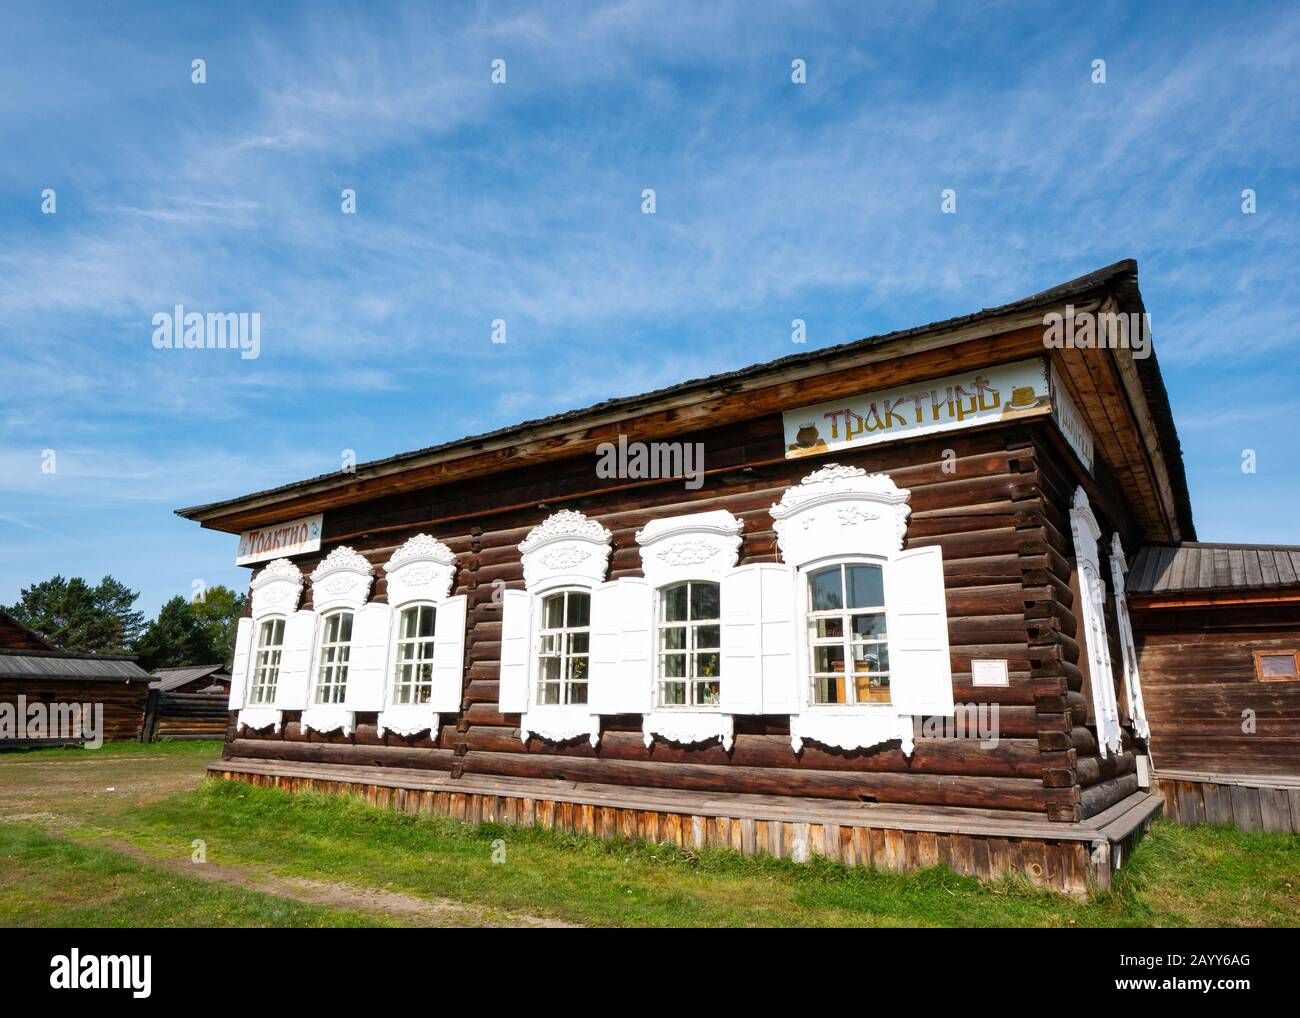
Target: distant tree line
(74, 615)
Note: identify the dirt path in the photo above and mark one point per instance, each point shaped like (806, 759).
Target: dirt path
(405, 908)
(83, 793)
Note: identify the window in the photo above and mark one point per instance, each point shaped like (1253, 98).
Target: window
(413, 679)
(335, 649)
(565, 644)
(266, 666)
(1277, 665)
(690, 638)
(846, 634)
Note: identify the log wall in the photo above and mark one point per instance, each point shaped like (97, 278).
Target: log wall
(1206, 709)
(991, 498)
(179, 715)
(124, 702)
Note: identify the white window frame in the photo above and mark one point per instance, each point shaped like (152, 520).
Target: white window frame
(257, 669)
(840, 515)
(420, 574)
(415, 662)
(343, 647)
(691, 548)
(689, 651)
(276, 591)
(1095, 641)
(809, 643)
(566, 551)
(564, 633)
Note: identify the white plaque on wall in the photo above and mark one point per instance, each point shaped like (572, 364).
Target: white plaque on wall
(989, 673)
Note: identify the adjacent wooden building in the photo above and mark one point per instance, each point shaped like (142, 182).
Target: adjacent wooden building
(866, 601)
(1218, 637)
(44, 692)
(188, 703)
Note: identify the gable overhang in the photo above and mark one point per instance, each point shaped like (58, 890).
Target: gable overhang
(1122, 397)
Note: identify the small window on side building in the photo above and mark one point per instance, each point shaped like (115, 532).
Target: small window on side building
(1277, 665)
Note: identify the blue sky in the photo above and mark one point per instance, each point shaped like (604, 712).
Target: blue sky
(522, 202)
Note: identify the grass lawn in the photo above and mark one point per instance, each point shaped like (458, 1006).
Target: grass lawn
(49, 881)
(377, 858)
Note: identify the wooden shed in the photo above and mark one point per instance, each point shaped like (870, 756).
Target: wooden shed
(188, 703)
(1218, 638)
(44, 695)
(864, 601)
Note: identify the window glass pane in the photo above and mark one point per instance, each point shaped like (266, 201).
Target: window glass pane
(708, 637)
(578, 668)
(673, 600)
(550, 669)
(345, 626)
(869, 627)
(672, 638)
(828, 659)
(406, 627)
(870, 657)
(705, 601)
(553, 612)
(872, 688)
(550, 692)
(578, 692)
(829, 690)
(427, 615)
(825, 587)
(673, 694)
(707, 694)
(674, 665)
(1277, 664)
(830, 628)
(277, 637)
(866, 586)
(579, 609)
(578, 642)
(707, 666)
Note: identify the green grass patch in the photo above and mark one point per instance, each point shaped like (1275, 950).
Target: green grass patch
(1178, 877)
(168, 747)
(48, 881)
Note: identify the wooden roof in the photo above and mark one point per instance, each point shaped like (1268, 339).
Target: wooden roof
(25, 664)
(1123, 398)
(173, 678)
(1194, 566)
(18, 635)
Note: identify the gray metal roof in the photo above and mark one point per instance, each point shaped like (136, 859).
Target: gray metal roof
(1191, 565)
(171, 678)
(58, 665)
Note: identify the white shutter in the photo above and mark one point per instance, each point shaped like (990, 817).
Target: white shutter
(633, 693)
(606, 633)
(239, 669)
(742, 640)
(758, 640)
(295, 661)
(779, 640)
(449, 655)
(516, 647)
(368, 657)
(920, 672)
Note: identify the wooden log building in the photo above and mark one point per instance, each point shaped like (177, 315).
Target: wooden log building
(1218, 639)
(866, 601)
(39, 683)
(188, 703)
